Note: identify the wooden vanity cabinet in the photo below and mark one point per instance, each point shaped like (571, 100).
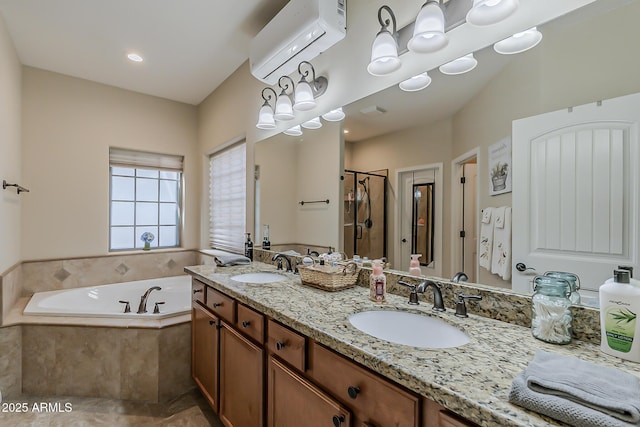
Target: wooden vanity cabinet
(204, 352)
(375, 401)
(293, 401)
(241, 380)
(434, 415)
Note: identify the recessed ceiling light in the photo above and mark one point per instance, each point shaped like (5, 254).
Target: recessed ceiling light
(134, 57)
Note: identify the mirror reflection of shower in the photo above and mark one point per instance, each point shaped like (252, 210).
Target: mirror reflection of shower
(365, 222)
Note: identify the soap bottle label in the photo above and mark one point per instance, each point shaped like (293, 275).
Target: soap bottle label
(380, 289)
(620, 326)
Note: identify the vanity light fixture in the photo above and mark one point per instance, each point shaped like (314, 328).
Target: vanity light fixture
(416, 83)
(314, 123)
(284, 108)
(488, 12)
(306, 92)
(293, 131)
(462, 65)
(519, 42)
(265, 117)
(384, 51)
(428, 30)
(334, 115)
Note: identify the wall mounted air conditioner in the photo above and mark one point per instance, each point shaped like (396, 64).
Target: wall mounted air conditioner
(299, 32)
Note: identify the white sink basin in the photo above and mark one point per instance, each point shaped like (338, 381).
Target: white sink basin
(259, 278)
(412, 329)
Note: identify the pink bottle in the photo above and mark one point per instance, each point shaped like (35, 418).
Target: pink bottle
(414, 265)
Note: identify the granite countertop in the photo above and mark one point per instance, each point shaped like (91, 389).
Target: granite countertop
(472, 380)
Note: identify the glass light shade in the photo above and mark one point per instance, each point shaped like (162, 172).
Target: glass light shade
(334, 115)
(294, 131)
(284, 110)
(304, 97)
(384, 55)
(314, 123)
(416, 83)
(265, 118)
(461, 65)
(428, 31)
(519, 42)
(487, 12)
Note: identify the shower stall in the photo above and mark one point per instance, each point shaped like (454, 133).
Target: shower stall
(365, 214)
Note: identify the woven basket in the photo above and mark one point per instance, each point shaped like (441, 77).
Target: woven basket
(330, 278)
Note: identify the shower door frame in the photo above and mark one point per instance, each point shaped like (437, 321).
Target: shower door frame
(384, 204)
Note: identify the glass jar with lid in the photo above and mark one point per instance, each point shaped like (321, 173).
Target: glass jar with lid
(574, 283)
(551, 318)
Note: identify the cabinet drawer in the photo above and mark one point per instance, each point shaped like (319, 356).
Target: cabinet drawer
(221, 304)
(286, 344)
(250, 323)
(197, 291)
(372, 398)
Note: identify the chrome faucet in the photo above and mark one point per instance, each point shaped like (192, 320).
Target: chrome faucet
(281, 257)
(459, 276)
(142, 308)
(438, 304)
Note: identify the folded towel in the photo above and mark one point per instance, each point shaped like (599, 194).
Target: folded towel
(231, 259)
(578, 392)
(501, 257)
(499, 217)
(486, 215)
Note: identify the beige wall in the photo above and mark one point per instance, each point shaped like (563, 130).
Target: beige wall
(68, 126)
(10, 154)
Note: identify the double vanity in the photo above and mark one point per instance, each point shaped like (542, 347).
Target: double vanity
(269, 351)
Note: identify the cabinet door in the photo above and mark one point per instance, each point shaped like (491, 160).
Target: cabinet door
(241, 380)
(204, 353)
(293, 401)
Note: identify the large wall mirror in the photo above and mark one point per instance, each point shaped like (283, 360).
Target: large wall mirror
(586, 56)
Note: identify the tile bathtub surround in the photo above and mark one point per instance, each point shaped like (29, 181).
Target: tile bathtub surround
(10, 361)
(472, 380)
(120, 363)
(38, 276)
(11, 289)
(498, 304)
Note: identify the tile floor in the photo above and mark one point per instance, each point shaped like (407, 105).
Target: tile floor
(188, 410)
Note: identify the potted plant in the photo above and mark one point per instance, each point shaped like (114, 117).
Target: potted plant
(499, 176)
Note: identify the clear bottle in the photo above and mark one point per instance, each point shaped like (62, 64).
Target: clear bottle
(377, 283)
(574, 283)
(414, 265)
(619, 308)
(551, 318)
(266, 243)
(248, 247)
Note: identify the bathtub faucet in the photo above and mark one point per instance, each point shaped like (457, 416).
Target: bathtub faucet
(142, 308)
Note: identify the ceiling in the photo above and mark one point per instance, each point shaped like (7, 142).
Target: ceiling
(189, 46)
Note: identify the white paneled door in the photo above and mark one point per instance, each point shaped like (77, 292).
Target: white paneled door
(575, 192)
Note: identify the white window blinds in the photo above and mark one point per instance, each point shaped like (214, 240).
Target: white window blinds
(227, 190)
(142, 159)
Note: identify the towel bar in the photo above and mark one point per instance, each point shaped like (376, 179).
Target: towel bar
(19, 188)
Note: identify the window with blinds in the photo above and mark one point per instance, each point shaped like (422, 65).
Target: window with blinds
(145, 199)
(227, 198)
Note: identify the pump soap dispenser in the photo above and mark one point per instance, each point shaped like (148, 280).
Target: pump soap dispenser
(619, 308)
(377, 283)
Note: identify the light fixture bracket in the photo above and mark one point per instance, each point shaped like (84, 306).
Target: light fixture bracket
(318, 84)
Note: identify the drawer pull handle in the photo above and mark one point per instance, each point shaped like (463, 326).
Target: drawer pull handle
(195, 291)
(338, 420)
(246, 323)
(353, 392)
(279, 345)
(217, 304)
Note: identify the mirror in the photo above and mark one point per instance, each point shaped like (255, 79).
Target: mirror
(422, 222)
(584, 57)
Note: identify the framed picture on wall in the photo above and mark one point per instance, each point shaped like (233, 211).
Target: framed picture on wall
(500, 167)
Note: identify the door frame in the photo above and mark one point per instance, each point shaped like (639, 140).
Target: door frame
(401, 175)
(457, 170)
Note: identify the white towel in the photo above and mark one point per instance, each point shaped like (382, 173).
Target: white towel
(486, 238)
(501, 258)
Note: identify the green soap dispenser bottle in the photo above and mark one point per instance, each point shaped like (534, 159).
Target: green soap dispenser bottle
(619, 308)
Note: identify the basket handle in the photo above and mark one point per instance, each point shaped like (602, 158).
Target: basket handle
(354, 268)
